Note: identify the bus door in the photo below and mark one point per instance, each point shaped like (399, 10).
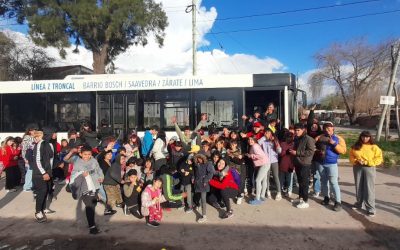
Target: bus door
(259, 100)
(119, 109)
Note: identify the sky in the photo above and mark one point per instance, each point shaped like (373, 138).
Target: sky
(278, 43)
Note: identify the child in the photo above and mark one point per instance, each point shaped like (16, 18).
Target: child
(151, 203)
(148, 173)
(85, 181)
(186, 180)
(132, 191)
(203, 174)
(112, 182)
(237, 161)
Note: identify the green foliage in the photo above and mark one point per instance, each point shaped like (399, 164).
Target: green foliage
(105, 27)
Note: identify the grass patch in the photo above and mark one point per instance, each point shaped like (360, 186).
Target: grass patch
(391, 149)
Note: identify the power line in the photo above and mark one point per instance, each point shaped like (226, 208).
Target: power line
(290, 11)
(306, 23)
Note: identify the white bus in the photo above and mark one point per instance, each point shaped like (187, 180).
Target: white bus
(139, 101)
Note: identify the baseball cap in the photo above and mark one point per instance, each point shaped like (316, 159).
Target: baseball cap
(195, 149)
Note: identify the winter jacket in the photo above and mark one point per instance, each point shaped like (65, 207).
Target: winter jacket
(102, 163)
(176, 158)
(269, 149)
(305, 148)
(370, 154)
(286, 159)
(225, 182)
(186, 179)
(113, 176)
(8, 155)
(159, 150)
(257, 155)
(90, 138)
(80, 166)
(147, 144)
(147, 201)
(202, 175)
(41, 158)
(329, 153)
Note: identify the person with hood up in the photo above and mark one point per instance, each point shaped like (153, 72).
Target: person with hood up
(203, 173)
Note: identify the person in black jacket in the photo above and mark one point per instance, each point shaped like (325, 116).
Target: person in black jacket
(88, 136)
(303, 152)
(186, 170)
(112, 185)
(40, 160)
(132, 191)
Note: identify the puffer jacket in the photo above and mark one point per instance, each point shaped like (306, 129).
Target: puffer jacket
(305, 148)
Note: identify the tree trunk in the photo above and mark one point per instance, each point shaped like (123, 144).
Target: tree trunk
(100, 61)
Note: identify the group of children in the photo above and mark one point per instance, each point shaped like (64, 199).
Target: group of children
(145, 176)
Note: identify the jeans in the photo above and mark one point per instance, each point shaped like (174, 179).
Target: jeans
(28, 179)
(316, 177)
(286, 178)
(188, 190)
(262, 180)
(102, 194)
(329, 175)
(275, 173)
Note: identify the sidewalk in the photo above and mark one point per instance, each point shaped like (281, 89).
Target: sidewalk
(273, 225)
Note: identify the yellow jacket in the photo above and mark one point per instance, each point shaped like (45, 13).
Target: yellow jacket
(371, 155)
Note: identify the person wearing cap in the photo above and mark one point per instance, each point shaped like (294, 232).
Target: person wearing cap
(257, 132)
(302, 152)
(365, 156)
(132, 191)
(328, 148)
(250, 121)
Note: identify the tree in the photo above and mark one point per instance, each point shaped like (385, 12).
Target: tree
(21, 62)
(105, 27)
(354, 67)
(11, 9)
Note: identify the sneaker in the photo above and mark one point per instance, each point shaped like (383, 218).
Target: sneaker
(263, 199)
(303, 204)
(325, 202)
(239, 200)
(268, 194)
(202, 219)
(40, 217)
(120, 205)
(371, 214)
(110, 212)
(337, 207)
(27, 190)
(49, 211)
(94, 230)
(316, 195)
(278, 197)
(12, 190)
(255, 202)
(188, 210)
(137, 215)
(152, 224)
(289, 194)
(227, 214)
(181, 208)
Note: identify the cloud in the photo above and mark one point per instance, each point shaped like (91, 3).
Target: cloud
(175, 57)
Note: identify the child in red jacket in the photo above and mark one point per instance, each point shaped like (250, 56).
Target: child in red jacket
(224, 187)
(9, 155)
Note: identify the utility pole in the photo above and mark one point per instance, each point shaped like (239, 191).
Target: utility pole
(395, 63)
(194, 30)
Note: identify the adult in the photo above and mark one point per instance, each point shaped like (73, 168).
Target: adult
(303, 152)
(328, 147)
(365, 156)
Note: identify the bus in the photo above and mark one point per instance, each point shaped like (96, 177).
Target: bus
(132, 101)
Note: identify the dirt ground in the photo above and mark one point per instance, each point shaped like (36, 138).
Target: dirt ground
(273, 225)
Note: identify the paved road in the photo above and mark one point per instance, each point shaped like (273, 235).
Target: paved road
(274, 225)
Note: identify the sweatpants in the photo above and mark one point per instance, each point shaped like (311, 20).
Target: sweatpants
(42, 189)
(275, 173)
(364, 178)
(13, 177)
(262, 180)
(303, 177)
(113, 195)
(90, 201)
(223, 194)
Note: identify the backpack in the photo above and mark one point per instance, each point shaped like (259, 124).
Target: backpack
(236, 176)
